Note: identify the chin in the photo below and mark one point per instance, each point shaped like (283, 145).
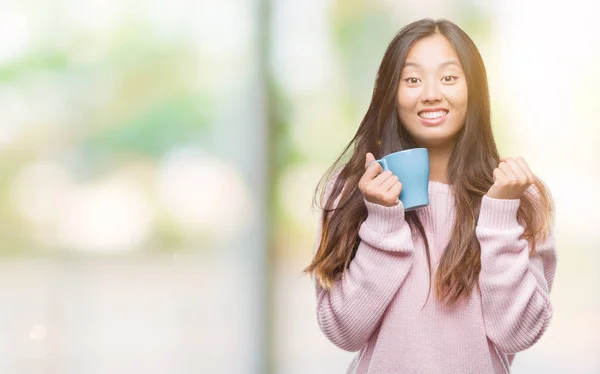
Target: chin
(435, 142)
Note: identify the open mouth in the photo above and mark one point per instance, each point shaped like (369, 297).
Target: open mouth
(433, 115)
(433, 118)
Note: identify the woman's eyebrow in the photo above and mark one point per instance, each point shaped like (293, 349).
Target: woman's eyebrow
(443, 64)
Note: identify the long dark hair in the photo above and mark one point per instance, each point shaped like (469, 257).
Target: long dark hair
(470, 171)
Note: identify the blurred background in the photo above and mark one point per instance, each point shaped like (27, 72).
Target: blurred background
(158, 161)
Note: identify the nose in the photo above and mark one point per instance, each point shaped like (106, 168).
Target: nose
(431, 92)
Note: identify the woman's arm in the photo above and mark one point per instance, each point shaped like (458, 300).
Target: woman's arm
(514, 286)
(349, 312)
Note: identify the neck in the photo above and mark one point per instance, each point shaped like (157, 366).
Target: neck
(438, 164)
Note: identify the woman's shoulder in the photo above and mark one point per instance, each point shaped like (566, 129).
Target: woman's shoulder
(332, 179)
(330, 185)
(335, 175)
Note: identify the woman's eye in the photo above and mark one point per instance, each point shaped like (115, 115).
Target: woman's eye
(412, 80)
(449, 78)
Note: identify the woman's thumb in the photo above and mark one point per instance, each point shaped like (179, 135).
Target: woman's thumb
(369, 158)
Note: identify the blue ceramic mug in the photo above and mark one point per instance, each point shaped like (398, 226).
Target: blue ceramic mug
(412, 169)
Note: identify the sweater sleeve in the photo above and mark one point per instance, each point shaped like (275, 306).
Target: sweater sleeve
(349, 313)
(514, 284)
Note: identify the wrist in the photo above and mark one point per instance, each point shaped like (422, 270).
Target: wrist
(384, 219)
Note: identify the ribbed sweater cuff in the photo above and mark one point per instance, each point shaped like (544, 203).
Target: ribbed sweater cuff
(498, 213)
(384, 219)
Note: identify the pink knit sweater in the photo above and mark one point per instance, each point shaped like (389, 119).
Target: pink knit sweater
(375, 308)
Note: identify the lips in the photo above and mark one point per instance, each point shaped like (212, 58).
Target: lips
(433, 117)
(433, 113)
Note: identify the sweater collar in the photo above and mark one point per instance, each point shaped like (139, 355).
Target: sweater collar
(439, 187)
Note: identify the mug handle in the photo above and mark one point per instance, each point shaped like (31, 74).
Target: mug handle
(381, 162)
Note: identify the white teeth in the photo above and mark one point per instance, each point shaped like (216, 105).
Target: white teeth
(433, 115)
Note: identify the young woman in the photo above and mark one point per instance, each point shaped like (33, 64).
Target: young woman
(483, 247)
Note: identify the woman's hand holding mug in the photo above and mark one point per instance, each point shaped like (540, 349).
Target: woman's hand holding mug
(378, 186)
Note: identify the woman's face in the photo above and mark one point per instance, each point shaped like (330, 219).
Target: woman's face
(432, 93)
